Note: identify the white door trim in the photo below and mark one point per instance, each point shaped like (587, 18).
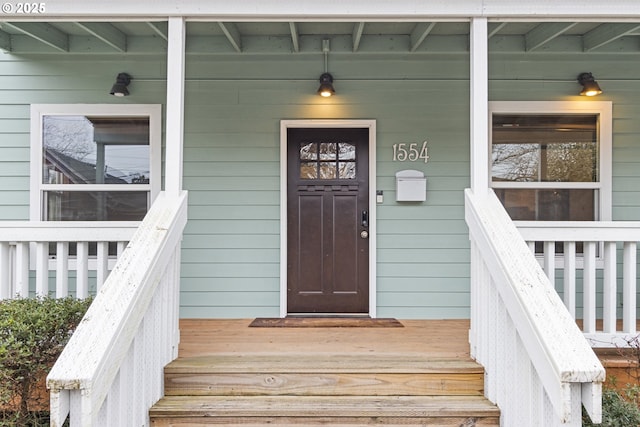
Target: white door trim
(286, 124)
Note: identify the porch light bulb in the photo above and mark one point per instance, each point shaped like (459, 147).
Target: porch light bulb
(589, 85)
(326, 85)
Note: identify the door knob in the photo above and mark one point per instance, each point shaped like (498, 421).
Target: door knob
(364, 234)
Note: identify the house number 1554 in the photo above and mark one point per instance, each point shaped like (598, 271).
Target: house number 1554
(410, 151)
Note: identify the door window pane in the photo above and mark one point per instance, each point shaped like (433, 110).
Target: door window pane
(327, 160)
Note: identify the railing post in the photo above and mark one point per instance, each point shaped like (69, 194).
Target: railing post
(175, 106)
(479, 103)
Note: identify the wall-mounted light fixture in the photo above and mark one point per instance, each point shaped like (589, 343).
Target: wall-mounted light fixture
(326, 88)
(120, 86)
(589, 85)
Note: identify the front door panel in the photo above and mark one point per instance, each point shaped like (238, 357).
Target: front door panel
(328, 202)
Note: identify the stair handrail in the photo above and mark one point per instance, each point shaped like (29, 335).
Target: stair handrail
(559, 353)
(145, 279)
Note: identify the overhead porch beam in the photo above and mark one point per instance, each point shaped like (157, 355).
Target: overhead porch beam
(544, 33)
(358, 29)
(232, 33)
(295, 38)
(106, 33)
(159, 29)
(420, 33)
(5, 41)
(42, 32)
(357, 10)
(607, 33)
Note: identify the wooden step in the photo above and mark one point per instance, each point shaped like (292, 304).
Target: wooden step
(325, 375)
(466, 411)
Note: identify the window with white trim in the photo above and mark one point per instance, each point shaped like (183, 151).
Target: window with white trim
(94, 162)
(551, 161)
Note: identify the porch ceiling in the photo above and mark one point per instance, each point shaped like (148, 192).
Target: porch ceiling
(384, 38)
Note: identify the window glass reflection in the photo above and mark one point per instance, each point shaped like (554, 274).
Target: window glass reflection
(95, 150)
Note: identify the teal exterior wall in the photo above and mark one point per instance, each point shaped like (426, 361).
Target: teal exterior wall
(233, 107)
(58, 79)
(231, 248)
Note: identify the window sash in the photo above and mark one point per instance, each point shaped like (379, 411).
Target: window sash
(603, 109)
(40, 111)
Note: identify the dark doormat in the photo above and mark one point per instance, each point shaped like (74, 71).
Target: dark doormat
(324, 322)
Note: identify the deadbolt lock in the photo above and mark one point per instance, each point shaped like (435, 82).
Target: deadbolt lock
(364, 234)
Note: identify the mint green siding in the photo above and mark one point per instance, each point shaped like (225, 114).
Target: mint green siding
(233, 107)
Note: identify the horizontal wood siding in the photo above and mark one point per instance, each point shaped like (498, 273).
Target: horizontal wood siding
(59, 79)
(231, 250)
(234, 103)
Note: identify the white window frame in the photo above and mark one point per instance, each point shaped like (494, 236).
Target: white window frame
(39, 111)
(605, 137)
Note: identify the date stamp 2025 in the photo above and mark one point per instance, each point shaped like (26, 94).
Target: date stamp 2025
(24, 8)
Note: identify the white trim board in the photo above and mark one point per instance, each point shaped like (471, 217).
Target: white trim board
(371, 125)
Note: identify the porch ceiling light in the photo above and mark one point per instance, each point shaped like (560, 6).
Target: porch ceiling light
(326, 85)
(589, 86)
(326, 80)
(120, 86)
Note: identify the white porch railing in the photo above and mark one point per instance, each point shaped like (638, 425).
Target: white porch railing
(539, 366)
(28, 265)
(605, 273)
(110, 373)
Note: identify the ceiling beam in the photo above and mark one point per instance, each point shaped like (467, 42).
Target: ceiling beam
(5, 41)
(44, 33)
(544, 33)
(358, 28)
(607, 33)
(495, 28)
(295, 36)
(159, 30)
(420, 33)
(107, 33)
(233, 35)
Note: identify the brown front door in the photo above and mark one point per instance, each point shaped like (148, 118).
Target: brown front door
(328, 220)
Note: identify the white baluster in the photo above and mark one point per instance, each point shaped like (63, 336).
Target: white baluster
(570, 277)
(42, 269)
(62, 269)
(589, 288)
(102, 268)
(629, 287)
(22, 270)
(82, 270)
(5, 271)
(550, 261)
(609, 288)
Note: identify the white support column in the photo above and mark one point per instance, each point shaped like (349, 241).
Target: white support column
(479, 77)
(175, 106)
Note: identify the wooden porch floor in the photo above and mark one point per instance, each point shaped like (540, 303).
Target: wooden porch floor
(435, 339)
